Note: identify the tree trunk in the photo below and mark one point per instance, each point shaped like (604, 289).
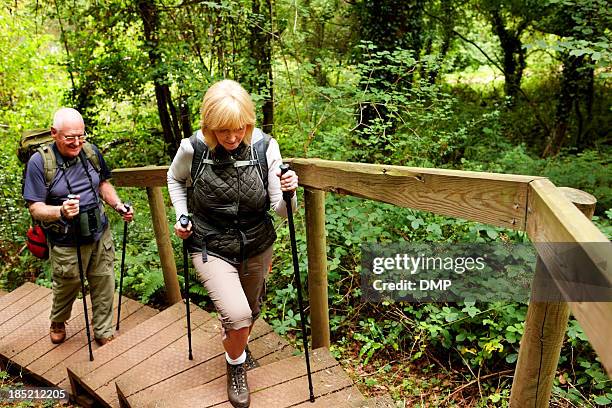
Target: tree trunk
(261, 52)
(568, 91)
(165, 107)
(514, 54)
(389, 25)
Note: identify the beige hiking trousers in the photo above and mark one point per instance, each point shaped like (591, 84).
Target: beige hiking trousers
(237, 296)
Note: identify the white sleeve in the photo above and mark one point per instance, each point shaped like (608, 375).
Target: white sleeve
(179, 174)
(274, 159)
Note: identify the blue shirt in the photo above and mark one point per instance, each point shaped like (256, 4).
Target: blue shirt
(71, 180)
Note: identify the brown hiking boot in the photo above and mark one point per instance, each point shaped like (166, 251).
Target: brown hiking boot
(57, 332)
(237, 386)
(250, 362)
(104, 340)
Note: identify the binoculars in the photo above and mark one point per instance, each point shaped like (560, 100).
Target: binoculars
(90, 220)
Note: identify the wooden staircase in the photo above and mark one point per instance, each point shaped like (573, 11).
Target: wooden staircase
(149, 366)
(24, 333)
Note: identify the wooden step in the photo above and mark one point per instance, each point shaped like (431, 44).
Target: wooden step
(96, 379)
(24, 337)
(208, 365)
(15, 295)
(153, 358)
(280, 384)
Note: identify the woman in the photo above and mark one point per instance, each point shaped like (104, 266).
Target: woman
(233, 171)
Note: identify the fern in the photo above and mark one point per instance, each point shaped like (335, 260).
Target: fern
(152, 283)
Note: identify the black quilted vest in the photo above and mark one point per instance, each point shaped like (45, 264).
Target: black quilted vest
(229, 201)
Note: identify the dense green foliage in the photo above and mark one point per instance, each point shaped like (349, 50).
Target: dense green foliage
(513, 87)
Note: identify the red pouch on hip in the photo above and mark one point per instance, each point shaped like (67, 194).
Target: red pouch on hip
(37, 242)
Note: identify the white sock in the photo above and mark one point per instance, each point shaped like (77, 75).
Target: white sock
(241, 359)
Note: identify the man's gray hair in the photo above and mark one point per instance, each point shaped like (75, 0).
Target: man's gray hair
(63, 114)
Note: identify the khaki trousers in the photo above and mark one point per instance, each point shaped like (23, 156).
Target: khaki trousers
(237, 296)
(98, 260)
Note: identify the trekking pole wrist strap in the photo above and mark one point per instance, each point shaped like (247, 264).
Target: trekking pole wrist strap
(62, 217)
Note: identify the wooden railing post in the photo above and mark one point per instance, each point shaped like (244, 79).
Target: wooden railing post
(545, 326)
(164, 246)
(317, 266)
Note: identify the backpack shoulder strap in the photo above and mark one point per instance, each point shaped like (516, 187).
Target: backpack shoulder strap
(49, 163)
(261, 147)
(199, 149)
(92, 156)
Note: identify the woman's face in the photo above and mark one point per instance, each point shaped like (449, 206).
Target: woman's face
(230, 139)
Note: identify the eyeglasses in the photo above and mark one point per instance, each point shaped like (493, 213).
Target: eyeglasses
(72, 139)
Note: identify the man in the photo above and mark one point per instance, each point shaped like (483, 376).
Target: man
(78, 170)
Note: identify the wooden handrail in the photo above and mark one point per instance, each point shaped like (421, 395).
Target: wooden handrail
(529, 203)
(496, 199)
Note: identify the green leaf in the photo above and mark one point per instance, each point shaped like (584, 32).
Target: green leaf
(601, 400)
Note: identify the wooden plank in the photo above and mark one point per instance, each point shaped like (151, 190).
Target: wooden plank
(171, 361)
(147, 176)
(99, 384)
(79, 370)
(346, 398)
(18, 312)
(545, 327)
(15, 295)
(133, 313)
(496, 199)
(294, 392)
(137, 335)
(149, 347)
(43, 344)
(24, 310)
(260, 379)
(76, 341)
(29, 334)
(314, 201)
(270, 348)
(554, 219)
(52, 366)
(127, 324)
(208, 364)
(164, 246)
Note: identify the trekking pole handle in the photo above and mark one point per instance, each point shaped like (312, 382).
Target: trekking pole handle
(184, 220)
(127, 206)
(286, 194)
(72, 197)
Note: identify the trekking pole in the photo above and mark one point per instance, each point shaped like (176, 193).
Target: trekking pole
(77, 234)
(125, 231)
(296, 270)
(184, 221)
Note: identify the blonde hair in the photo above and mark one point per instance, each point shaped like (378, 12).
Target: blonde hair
(226, 105)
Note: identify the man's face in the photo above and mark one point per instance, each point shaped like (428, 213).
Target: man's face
(70, 138)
